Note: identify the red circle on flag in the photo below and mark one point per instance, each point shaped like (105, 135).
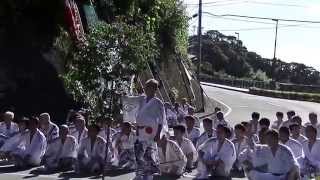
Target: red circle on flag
(148, 130)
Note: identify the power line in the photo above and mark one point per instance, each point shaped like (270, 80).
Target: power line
(264, 18)
(276, 4)
(233, 19)
(267, 28)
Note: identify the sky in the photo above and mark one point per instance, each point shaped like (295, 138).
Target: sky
(298, 42)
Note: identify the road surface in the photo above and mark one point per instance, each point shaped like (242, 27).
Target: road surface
(240, 106)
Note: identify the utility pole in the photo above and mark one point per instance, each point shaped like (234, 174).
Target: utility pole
(199, 39)
(200, 52)
(275, 40)
(238, 35)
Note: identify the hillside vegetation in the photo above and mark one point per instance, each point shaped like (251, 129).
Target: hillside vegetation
(225, 56)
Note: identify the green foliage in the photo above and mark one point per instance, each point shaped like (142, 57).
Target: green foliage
(226, 53)
(112, 52)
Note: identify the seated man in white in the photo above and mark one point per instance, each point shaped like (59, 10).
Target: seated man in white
(208, 133)
(192, 132)
(186, 145)
(62, 152)
(48, 128)
(241, 144)
(311, 149)
(216, 156)
(7, 127)
(171, 115)
(14, 143)
(80, 132)
(91, 154)
(172, 160)
(294, 145)
(278, 123)
(123, 145)
(313, 120)
(35, 146)
(278, 159)
(295, 130)
(220, 120)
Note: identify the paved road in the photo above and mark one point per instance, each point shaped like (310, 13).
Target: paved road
(241, 105)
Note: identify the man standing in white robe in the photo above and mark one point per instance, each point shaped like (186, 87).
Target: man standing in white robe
(279, 160)
(13, 144)
(192, 133)
(81, 132)
(290, 115)
(311, 149)
(35, 146)
(150, 122)
(278, 123)
(48, 128)
(294, 145)
(92, 151)
(172, 160)
(62, 152)
(7, 127)
(216, 156)
(208, 133)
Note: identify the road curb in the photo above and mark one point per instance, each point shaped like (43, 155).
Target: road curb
(226, 87)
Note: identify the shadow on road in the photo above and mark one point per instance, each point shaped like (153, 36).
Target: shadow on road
(118, 172)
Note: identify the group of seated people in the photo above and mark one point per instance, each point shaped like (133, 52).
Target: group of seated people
(255, 148)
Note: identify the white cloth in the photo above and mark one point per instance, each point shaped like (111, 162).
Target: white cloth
(130, 106)
(126, 142)
(14, 143)
(277, 124)
(287, 123)
(317, 126)
(104, 133)
(240, 147)
(217, 122)
(56, 150)
(187, 147)
(301, 139)
(98, 150)
(172, 117)
(52, 133)
(280, 164)
(204, 137)
(173, 157)
(296, 148)
(312, 155)
(226, 153)
(80, 135)
(6, 133)
(151, 114)
(35, 147)
(193, 135)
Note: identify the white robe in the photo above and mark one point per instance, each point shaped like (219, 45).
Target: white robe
(98, 150)
(151, 114)
(313, 155)
(56, 150)
(7, 133)
(204, 137)
(80, 136)
(173, 157)
(187, 147)
(301, 139)
(277, 124)
(227, 154)
(52, 133)
(14, 143)
(193, 135)
(172, 117)
(36, 147)
(217, 122)
(280, 164)
(240, 147)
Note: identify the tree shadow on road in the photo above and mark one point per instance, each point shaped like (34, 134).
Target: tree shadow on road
(11, 169)
(117, 172)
